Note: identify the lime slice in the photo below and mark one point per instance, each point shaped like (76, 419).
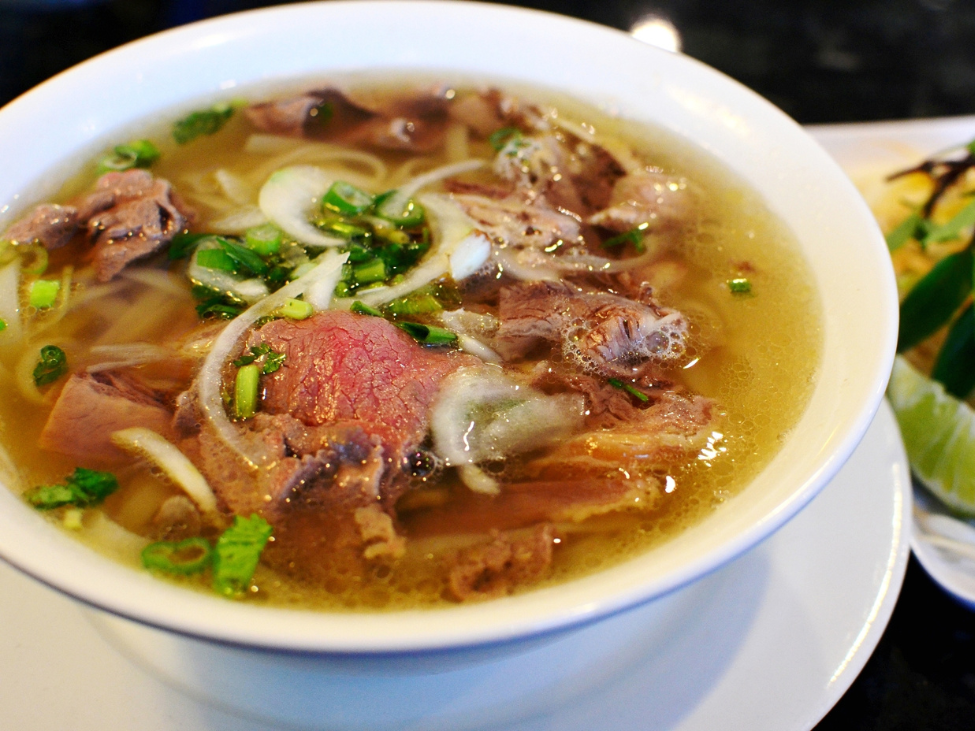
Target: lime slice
(939, 435)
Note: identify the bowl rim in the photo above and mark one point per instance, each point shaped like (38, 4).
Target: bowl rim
(727, 106)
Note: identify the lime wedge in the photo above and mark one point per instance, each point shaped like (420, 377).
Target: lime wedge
(939, 435)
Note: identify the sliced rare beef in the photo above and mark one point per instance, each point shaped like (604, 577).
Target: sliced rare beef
(416, 124)
(52, 226)
(603, 333)
(344, 367)
(92, 406)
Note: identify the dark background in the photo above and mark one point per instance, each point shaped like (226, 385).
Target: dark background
(821, 61)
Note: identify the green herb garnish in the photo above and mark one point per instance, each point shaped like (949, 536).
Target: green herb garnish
(740, 285)
(43, 293)
(83, 488)
(135, 154)
(237, 554)
(206, 122)
(633, 236)
(934, 299)
(427, 334)
(629, 388)
(360, 308)
(347, 199)
(295, 309)
(502, 137)
(182, 245)
(272, 360)
(53, 364)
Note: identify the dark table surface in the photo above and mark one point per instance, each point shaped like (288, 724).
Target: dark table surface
(821, 61)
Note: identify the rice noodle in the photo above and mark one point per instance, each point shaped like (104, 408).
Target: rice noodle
(105, 532)
(164, 455)
(210, 379)
(239, 220)
(126, 355)
(9, 304)
(412, 187)
(234, 187)
(159, 279)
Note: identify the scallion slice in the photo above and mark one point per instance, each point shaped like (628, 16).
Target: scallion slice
(182, 558)
(361, 308)
(427, 334)
(347, 199)
(629, 388)
(295, 309)
(391, 207)
(53, 364)
(216, 259)
(740, 285)
(264, 240)
(369, 272)
(43, 293)
(245, 391)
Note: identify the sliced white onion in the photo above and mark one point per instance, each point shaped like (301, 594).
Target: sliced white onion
(9, 305)
(478, 480)
(288, 198)
(514, 418)
(126, 355)
(234, 187)
(153, 447)
(411, 187)
(508, 263)
(209, 382)
(469, 255)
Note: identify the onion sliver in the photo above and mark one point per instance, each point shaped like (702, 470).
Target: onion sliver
(288, 197)
(209, 382)
(411, 187)
(156, 449)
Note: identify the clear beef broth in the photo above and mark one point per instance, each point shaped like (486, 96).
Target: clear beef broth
(744, 369)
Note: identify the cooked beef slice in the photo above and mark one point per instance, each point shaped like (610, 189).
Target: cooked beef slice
(133, 215)
(52, 226)
(497, 568)
(93, 406)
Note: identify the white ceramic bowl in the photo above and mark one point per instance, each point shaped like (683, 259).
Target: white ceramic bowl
(65, 121)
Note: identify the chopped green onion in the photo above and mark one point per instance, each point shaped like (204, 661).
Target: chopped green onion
(346, 199)
(182, 245)
(216, 259)
(361, 308)
(72, 518)
(43, 293)
(414, 304)
(183, 558)
(242, 256)
(740, 285)
(345, 230)
(427, 334)
(245, 391)
(630, 389)
(52, 365)
(296, 310)
(206, 122)
(135, 154)
(3, 325)
(388, 206)
(265, 240)
(371, 271)
(84, 488)
(633, 236)
(237, 554)
(501, 137)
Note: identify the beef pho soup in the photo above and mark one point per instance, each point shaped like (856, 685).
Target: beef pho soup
(375, 347)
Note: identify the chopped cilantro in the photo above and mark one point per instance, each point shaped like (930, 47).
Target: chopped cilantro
(84, 488)
(237, 553)
(205, 122)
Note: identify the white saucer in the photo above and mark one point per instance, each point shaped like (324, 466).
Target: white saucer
(769, 642)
